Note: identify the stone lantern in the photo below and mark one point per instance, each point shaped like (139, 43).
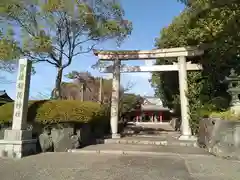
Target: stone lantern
(234, 90)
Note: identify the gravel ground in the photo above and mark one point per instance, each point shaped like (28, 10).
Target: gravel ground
(75, 166)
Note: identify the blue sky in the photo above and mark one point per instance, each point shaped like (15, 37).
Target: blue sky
(148, 18)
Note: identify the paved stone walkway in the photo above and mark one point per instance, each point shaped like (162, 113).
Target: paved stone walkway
(123, 162)
(148, 134)
(142, 149)
(74, 166)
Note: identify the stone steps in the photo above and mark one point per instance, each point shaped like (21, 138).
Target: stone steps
(157, 140)
(157, 135)
(150, 142)
(148, 150)
(132, 132)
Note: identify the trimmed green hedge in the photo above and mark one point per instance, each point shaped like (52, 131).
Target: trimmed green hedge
(57, 111)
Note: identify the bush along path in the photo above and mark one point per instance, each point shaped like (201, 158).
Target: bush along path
(60, 125)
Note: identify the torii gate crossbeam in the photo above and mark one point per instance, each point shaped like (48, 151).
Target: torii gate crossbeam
(182, 66)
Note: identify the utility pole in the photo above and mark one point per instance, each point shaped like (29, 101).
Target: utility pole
(100, 90)
(82, 92)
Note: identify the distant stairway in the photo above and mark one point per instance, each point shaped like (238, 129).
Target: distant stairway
(154, 134)
(147, 130)
(149, 140)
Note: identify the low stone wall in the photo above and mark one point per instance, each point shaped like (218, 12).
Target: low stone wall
(220, 137)
(60, 137)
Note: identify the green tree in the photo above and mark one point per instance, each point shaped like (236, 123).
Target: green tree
(56, 31)
(91, 86)
(129, 102)
(203, 22)
(83, 79)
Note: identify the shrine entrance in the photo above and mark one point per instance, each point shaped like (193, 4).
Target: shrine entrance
(182, 66)
(151, 111)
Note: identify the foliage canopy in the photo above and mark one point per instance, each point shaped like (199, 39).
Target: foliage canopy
(56, 111)
(213, 23)
(56, 31)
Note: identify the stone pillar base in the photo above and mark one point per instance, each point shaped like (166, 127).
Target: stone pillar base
(116, 136)
(17, 149)
(17, 144)
(187, 138)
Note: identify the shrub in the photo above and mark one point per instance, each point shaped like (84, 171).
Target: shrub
(226, 115)
(56, 111)
(102, 119)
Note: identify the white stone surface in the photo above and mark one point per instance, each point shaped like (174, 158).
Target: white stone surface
(116, 136)
(148, 55)
(22, 94)
(187, 138)
(183, 87)
(17, 135)
(155, 68)
(115, 98)
(17, 149)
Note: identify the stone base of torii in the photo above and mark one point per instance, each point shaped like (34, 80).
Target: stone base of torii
(182, 66)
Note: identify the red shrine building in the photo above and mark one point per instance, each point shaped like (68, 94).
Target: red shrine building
(151, 111)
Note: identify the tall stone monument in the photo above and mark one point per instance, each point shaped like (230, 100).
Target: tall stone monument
(18, 141)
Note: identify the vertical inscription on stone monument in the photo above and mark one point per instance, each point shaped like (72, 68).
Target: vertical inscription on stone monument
(22, 93)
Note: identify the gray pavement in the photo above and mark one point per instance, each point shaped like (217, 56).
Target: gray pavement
(123, 162)
(76, 166)
(142, 150)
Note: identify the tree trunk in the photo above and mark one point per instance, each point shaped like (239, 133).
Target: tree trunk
(56, 94)
(82, 92)
(100, 90)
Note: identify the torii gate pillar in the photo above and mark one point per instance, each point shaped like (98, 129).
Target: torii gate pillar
(115, 99)
(186, 133)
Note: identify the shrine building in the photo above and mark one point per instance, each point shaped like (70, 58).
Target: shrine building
(151, 111)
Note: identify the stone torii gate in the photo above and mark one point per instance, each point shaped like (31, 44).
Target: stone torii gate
(182, 67)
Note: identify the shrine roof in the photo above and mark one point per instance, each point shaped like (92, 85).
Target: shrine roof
(4, 97)
(2, 92)
(152, 100)
(154, 108)
(152, 103)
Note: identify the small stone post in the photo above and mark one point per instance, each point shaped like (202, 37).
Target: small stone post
(115, 99)
(186, 133)
(18, 141)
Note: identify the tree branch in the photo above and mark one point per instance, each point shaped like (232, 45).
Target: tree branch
(36, 60)
(61, 51)
(87, 51)
(89, 39)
